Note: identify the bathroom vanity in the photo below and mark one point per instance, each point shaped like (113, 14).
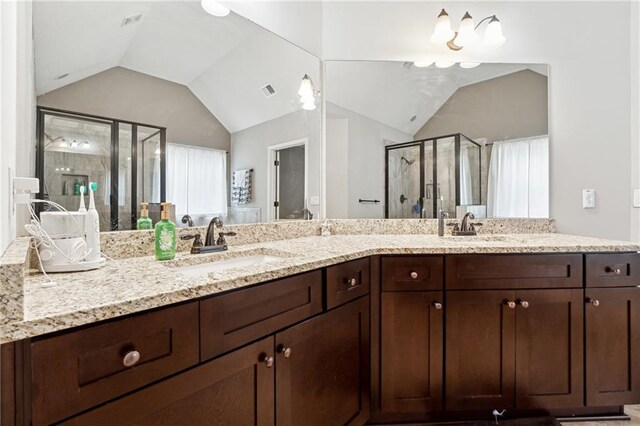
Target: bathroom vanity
(380, 328)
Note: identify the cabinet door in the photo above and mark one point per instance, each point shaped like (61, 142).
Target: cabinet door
(480, 350)
(236, 389)
(322, 375)
(549, 349)
(613, 346)
(411, 352)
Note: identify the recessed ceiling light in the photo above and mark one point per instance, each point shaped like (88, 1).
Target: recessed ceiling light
(413, 118)
(61, 76)
(214, 8)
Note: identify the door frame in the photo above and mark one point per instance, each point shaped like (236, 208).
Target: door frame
(271, 156)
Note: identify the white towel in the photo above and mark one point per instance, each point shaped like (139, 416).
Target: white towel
(241, 184)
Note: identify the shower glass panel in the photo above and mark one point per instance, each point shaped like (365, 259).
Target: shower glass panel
(124, 158)
(447, 173)
(77, 151)
(404, 198)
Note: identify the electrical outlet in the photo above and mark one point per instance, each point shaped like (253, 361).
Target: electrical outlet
(588, 198)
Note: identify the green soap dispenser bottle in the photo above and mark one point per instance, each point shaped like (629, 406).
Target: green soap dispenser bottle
(144, 221)
(165, 235)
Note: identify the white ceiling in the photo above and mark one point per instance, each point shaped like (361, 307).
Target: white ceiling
(223, 61)
(390, 93)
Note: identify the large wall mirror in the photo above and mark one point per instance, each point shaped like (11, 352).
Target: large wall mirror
(404, 141)
(161, 101)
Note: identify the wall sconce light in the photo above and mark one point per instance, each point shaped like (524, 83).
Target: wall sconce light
(308, 93)
(466, 34)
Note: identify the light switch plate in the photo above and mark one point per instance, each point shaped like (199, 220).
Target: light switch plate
(314, 200)
(588, 198)
(636, 198)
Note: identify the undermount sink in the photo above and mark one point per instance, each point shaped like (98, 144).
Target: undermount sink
(204, 269)
(472, 238)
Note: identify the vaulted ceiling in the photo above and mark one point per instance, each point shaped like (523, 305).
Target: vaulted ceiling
(223, 61)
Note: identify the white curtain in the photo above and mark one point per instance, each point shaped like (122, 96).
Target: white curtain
(197, 180)
(466, 188)
(519, 178)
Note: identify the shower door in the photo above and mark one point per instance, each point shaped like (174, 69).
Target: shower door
(405, 182)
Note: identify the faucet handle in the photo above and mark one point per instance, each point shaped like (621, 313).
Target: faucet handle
(221, 241)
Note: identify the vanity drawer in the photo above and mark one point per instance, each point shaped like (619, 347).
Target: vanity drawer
(347, 281)
(470, 272)
(232, 320)
(81, 369)
(412, 273)
(612, 270)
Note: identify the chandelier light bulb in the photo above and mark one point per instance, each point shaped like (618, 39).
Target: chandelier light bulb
(442, 33)
(444, 64)
(422, 64)
(493, 36)
(467, 32)
(468, 65)
(214, 8)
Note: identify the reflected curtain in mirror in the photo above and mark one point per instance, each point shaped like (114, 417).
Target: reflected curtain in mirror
(519, 178)
(197, 180)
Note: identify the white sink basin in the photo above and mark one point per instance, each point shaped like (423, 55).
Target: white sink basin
(204, 269)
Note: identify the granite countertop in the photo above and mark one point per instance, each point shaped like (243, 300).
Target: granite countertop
(132, 285)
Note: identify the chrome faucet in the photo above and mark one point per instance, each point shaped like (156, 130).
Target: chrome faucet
(188, 220)
(210, 239)
(465, 228)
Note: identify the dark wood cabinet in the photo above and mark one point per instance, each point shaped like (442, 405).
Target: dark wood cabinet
(480, 350)
(412, 351)
(612, 346)
(322, 374)
(235, 389)
(549, 349)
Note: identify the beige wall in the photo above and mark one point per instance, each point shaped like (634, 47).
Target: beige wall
(508, 107)
(129, 95)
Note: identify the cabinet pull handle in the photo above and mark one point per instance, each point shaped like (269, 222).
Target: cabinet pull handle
(613, 270)
(594, 302)
(284, 351)
(268, 360)
(414, 275)
(510, 303)
(437, 305)
(131, 358)
(352, 282)
(523, 303)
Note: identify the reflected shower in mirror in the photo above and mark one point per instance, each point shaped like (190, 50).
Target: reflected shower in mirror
(161, 101)
(460, 139)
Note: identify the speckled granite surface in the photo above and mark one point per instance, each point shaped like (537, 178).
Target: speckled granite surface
(137, 284)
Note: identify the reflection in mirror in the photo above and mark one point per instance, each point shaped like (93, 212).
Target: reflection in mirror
(457, 139)
(174, 104)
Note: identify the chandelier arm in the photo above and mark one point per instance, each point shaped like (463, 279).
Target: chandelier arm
(488, 17)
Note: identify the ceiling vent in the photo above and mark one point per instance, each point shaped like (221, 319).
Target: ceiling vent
(129, 20)
(268, 91)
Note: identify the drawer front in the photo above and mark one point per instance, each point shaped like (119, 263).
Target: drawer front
(469, 272)
(232, 320)
(347, 281)
(613, 270)
(84, 368)
(412, 273)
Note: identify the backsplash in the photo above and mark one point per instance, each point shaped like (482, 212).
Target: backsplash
(125, 244)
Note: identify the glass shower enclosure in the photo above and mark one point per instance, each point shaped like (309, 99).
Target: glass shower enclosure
(125, 159)
(422, 175)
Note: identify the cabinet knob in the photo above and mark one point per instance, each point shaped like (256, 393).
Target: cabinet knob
(284, 351)
(437, 305)
(613, 270)
(414, 275)
(594, 302)
(523, 303)
(352, 282)
(268, 360)
(510, 303)
(131, 358)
